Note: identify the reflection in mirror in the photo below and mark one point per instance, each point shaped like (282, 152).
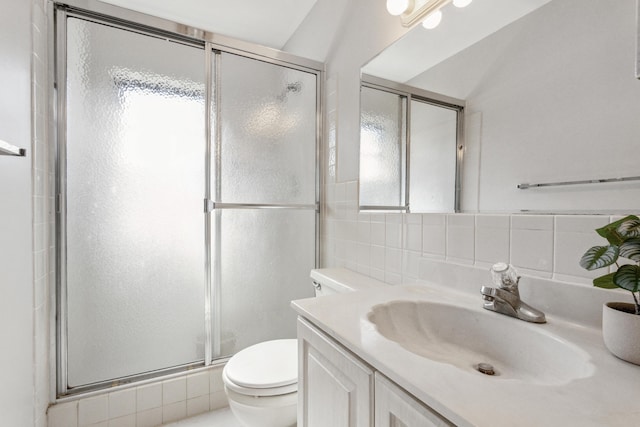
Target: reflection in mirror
(433, 145)
(382, 148)
(408, 148)
(550, 95)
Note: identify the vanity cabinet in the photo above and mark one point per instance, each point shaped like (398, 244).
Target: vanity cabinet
(337, 389)
(395, 408)
(334, 387)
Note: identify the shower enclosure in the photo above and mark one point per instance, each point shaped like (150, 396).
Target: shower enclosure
(187, 195)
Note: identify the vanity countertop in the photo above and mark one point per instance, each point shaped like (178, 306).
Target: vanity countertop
(608, 396)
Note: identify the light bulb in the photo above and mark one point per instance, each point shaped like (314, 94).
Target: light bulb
(397, 7)
(433, 20)
(462, 3)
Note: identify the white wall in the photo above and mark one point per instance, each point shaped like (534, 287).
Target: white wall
(43, 216)
(16, 266)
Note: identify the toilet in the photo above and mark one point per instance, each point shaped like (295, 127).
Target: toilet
(261, 381)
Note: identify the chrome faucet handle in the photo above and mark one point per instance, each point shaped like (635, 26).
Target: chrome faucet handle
(504, 298)
(505, 277)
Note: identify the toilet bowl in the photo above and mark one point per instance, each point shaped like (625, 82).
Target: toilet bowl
(261, 381)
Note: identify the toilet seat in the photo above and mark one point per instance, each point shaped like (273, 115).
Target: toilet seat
(265, 369)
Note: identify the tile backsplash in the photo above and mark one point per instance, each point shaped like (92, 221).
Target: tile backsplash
(389, 246)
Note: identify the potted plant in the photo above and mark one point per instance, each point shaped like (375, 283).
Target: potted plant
(620, 321)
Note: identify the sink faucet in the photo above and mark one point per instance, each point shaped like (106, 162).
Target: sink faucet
(505, 298)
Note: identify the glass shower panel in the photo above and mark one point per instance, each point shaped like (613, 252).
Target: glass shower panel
(433, 157)
(267, 257)
(134, 193)
(382, 148)
(267, 156)
(268, 132)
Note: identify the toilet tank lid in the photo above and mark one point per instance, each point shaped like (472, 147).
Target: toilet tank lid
(267, 364)
(344, 280)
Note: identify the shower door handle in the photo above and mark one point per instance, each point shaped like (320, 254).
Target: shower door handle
(209, 205)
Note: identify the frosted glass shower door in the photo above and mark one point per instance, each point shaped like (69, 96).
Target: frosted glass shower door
(135, 175)
(265, 200)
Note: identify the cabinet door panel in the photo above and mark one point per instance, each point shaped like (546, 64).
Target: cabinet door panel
(335, 389)
(395, 408)
(329, 396)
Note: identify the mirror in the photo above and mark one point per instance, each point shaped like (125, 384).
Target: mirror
(552, 103)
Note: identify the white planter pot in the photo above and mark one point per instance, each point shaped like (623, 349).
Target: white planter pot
(621, 331)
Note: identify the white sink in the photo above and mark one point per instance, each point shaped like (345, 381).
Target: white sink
(465, 337)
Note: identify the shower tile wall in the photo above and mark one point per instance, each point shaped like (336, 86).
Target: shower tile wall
(389, 246)
(151, 404)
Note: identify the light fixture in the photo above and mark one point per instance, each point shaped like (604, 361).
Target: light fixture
(398, 7)
(432, 20)
(413, 11)
(462, 3)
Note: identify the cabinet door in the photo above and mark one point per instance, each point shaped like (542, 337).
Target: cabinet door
(334, 388)
(396, 408)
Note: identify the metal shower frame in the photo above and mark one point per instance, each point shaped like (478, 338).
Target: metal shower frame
(212, 44)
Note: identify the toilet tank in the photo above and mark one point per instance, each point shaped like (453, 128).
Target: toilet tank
(329, 281)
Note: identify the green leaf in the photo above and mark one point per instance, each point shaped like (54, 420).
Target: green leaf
(605, 281)
(630, 228)
(611, 233)
(599, 256)
(628, 277)
(631, 249)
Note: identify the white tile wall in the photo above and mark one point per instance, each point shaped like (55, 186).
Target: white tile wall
(122, 403)
(410, 266)
(389, 247)
(63, 415)
(126, 421)
(149, 418)
(218, 400)
(393, 260)
(151, 404)
(413, 232)
(532, 244)
(378, 227)
(573, 236)
(197, 385)
(434, 235)
(174, 391)
(198, 405)
(461, 238)
(364, 229)
(364, 256)
(93, 410)
(377, 261)
(393, 231)
(149, 397)
(492, 239)
(174, 411)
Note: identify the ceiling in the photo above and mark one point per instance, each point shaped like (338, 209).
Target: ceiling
(269, 23)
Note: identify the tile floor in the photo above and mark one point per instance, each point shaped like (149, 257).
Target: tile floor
(219, 418)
